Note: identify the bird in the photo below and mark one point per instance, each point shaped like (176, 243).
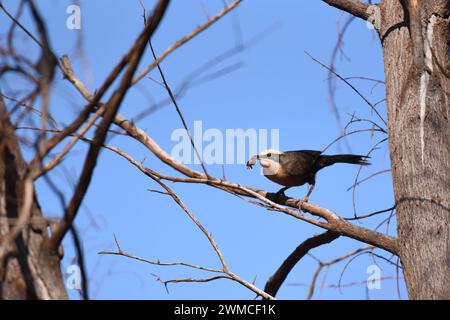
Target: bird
(295, 168)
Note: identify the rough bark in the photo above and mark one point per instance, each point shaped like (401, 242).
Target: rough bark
(27, 270)
(415, 38)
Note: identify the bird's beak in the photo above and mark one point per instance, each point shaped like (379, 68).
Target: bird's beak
(252, 161)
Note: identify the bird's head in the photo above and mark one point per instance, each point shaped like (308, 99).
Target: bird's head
(269, 160)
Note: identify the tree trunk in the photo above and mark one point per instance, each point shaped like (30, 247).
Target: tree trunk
(27, 270)
(415, 37)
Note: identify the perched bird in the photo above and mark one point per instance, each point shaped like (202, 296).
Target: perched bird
(295, 168)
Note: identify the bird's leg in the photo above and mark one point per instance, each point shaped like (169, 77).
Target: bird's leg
(311, 188)
(306, 198)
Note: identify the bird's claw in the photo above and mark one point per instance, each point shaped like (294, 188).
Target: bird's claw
(302, 202)
(280, 194)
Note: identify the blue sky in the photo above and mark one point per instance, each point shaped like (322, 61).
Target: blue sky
(273, 85)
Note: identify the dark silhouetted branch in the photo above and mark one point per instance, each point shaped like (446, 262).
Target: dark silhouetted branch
(276, 280)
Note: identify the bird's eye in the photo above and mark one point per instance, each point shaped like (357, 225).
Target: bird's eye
(269, 155)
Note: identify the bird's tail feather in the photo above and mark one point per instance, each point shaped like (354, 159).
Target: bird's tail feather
(326, 161)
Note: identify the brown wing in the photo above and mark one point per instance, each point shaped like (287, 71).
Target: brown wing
(299, 162)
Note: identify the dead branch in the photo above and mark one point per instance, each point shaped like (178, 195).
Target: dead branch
(177, 108)
(354, 7)
(322, 265)
(185, 39)
(274, 203)
(370, 104)
(100, 134)
(334, 222)
(195, 77)
(228, 274)
(367, 215)
(276, 280)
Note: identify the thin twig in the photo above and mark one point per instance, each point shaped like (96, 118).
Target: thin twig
(351, 86)
(180, 114)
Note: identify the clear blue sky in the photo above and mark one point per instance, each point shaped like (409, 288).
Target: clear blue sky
(277, 86)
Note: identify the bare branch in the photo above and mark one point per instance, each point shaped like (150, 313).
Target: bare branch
(185, 39)
(100, 134)
(331, 81)
(225, 270)
(359, 217)
(122, 253)
(374, 147)
(177, 108)
(344, 285)
(354, 7)
(272, 201)
(197, 76)
(58, 158)
(374, 109)
(346, 134)
(198, 280)
(322, 265)
(194, 219)
(368, 178)
(16, 22)
(276, 280)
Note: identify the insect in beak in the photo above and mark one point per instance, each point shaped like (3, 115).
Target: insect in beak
(252, 161)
